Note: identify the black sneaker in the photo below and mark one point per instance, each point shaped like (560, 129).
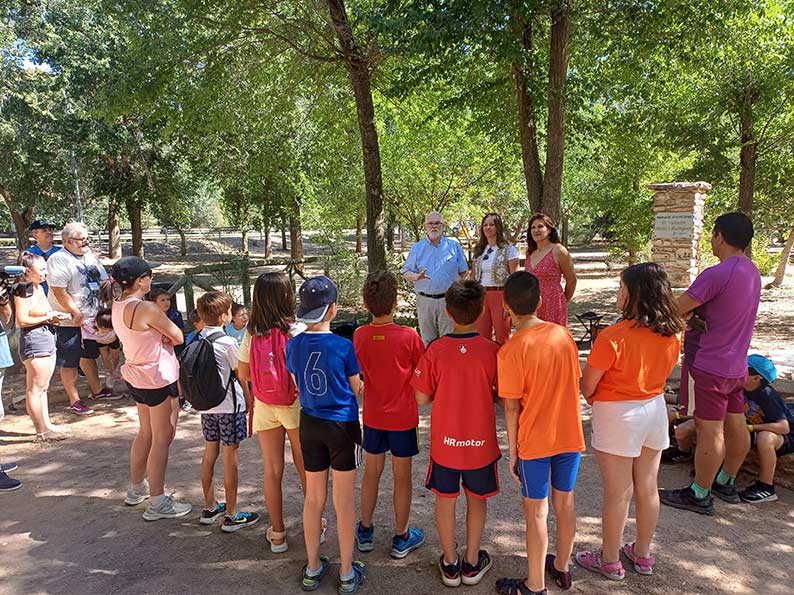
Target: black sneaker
(472, 574)
(8, 467)
(685, 499)
(9, 484)
(674, 455)
(560, 578)
(726, 493)
(758, 492)
(450, 573)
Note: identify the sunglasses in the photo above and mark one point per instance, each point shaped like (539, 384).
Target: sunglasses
(487, 254)
(145, 275)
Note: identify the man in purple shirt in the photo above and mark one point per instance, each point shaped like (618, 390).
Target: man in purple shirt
(722, 302)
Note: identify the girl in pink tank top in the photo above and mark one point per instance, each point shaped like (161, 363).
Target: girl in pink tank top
(151, 370)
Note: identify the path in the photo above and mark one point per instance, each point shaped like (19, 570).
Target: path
(67, 532)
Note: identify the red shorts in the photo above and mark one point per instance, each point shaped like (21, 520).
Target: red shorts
(714, 396)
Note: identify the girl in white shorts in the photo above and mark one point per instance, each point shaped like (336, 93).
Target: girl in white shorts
(624, 382)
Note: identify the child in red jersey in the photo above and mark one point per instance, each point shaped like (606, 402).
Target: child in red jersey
(388, 355)
(458, 375)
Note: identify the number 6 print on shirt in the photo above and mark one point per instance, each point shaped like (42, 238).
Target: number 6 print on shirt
(314, 377)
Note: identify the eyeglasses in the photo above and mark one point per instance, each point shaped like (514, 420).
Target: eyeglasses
(434, 223)
(487, 254)
(84, 240)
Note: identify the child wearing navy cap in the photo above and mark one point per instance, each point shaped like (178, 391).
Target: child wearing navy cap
(326, 373)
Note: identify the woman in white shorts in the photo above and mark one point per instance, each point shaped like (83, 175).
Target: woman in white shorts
(624, 382)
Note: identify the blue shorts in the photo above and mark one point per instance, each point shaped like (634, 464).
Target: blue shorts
(534, 474)
(445, 482)
(228, 428)
(71, 347)
(403, 443)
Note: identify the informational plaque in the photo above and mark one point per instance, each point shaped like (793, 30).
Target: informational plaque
(673, 225)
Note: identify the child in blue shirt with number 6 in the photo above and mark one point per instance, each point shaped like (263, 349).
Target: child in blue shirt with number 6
(326, 372)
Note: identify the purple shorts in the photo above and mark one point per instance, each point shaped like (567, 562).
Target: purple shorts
(714, 396)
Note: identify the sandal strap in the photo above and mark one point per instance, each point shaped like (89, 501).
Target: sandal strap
(639, 560)
(273, 534)
(512, 586)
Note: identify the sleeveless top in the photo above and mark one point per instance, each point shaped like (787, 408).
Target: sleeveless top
(500, 272)
(554, 306)
(149, 363)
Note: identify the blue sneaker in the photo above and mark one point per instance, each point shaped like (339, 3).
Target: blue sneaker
(239, 521)
(351, 585)
(365, 538)
(402, 545)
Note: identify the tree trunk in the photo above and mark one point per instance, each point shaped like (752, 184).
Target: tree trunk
(780, 273)
(358, 67)
(527, 127)
(748, 156)
(389, 231)
(555, 127)
(359, 235)
(244, 240)
(182, 241)
(283, 233)
(565, 230)
(268, 240)
(295, 239)
(135, 214)
(114, 230)
(22, 219)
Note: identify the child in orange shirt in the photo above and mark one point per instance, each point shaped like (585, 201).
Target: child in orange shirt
(624, 382)
(539, 382)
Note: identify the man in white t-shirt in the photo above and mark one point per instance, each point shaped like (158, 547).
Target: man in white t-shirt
(226, 424)
(74, 275)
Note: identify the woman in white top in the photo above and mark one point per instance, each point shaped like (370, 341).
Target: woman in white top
(493, 261)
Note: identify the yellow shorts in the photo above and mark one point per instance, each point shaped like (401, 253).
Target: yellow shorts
(270, 417)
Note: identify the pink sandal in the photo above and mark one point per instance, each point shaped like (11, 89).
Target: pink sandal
(641, 565)
(592, 561)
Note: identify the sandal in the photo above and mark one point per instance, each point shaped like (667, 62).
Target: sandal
(561, 578)
(50, 436)
(515, 586)
(277, 548)
(641, 565)
(323, 529)
(592, 561)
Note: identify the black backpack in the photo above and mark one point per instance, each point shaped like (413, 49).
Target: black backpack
(198, 374)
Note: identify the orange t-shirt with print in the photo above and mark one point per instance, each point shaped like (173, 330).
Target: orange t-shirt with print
(636, 362)
(540, 366)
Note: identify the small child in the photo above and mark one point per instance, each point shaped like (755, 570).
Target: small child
(162, 298)
(225, 424)
(388, 354)
(326, 372)
(239, 323)
(198, 326)
(109, 346)
(539, 384)
(771, 425)
(457, 374)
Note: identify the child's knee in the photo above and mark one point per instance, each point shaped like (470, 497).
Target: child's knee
(766, 441)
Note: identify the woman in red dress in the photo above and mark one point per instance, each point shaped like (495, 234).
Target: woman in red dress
(549, 260)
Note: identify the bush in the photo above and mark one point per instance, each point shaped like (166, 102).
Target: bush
(766, 262)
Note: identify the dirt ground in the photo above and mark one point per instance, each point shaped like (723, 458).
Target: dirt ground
(68, 532)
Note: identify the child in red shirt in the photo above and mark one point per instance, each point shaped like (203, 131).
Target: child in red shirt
(388, 355)
(458, 375)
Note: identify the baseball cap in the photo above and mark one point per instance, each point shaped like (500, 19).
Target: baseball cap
(762, 365)
(316, 295)
(41, 224)
(129, 268)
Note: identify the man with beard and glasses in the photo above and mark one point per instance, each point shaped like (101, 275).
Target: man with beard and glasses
(433, 264)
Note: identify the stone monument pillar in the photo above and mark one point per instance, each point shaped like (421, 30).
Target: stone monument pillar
(677, 229)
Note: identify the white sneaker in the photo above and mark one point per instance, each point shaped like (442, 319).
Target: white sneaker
(169, 509)
(135, 497)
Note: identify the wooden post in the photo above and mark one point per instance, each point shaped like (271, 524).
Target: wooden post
(190, 302)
